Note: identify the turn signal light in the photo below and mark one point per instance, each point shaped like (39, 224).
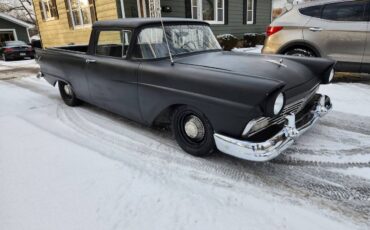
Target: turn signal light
(273, 30)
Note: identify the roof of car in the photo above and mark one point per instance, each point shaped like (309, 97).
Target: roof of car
(138, 22)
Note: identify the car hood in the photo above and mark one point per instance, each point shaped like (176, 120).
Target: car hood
(292, 71)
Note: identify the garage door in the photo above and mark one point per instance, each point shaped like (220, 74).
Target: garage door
(7, 36)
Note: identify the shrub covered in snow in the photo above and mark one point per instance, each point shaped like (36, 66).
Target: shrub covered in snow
(227, 41)
(253, 39)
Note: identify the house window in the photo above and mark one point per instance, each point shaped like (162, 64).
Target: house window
(212, 11)
(48, 10)
(250, 12)
(81, 13)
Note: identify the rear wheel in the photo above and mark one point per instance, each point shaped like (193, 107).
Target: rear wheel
(4, 57)
(67, 94)
(300, 52)
(193, 131)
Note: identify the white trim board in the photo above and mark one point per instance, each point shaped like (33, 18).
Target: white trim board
(16, 21)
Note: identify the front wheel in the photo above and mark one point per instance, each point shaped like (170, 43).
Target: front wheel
(67, 94)
(193, 131)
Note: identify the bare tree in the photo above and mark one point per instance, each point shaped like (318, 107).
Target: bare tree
(21, 9)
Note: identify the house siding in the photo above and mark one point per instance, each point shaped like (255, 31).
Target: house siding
(58, 32)
(237, 27)
(20, 30)
(235, 24)
(178, 8)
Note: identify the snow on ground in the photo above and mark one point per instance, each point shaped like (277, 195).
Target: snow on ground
(351, 98)
(53, 177)
(352, 102)
(84, 168)
(27, 63)
(358, 172)
(257, 49)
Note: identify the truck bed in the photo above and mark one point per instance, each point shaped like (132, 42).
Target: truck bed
(75, 48)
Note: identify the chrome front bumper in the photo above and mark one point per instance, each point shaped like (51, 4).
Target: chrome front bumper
(265, 151)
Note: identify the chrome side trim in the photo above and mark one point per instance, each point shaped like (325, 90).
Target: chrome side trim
(273, 147)
(279, 63)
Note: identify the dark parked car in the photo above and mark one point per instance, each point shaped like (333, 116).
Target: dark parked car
(11, 50)
(249, 106)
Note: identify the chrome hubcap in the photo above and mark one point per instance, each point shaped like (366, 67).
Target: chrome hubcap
(194, 128)
(68, 90)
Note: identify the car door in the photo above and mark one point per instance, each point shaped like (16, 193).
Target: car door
(111, 77)
(340, 32)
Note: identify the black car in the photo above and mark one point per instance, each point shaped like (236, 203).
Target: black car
(173, 72)
(11, 50)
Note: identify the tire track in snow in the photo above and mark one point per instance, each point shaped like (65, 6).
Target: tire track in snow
(116, 138)
(297, 179)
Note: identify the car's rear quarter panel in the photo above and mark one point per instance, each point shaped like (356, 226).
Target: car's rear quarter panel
(68, 66)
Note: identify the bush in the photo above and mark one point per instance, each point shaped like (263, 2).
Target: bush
(227, 41)
(253, 39)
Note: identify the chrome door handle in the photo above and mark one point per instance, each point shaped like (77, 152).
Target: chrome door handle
(316, 29)
(90, 61)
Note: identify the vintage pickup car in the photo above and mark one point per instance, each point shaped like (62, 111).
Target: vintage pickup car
(174, 72)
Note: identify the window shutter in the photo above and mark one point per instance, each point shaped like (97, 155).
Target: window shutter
(70, 22)
(226, 12)
(255, 12)
(55, 9)
(188, 9)
(244, 12)
(42, 11)
(94, 17)
(119, 7)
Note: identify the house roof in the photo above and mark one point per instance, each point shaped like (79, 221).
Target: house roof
(15, 20)
(138, 22)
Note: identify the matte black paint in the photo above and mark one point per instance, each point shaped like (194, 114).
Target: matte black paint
(229, 88)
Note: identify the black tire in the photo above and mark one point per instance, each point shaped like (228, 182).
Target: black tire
(203, 143)
(5, 58)
(300, 52)
(68, 97)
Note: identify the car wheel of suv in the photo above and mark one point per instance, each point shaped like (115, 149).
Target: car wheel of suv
(300, 52)
(193, 131)
(67, 94)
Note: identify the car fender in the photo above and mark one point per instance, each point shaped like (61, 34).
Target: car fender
(160, 88)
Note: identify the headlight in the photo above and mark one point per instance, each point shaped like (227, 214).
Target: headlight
(279, 103)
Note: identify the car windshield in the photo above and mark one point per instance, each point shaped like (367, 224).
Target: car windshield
(182, 39)
(15, 43)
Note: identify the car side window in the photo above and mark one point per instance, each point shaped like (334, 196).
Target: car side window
(312, 11)
(113, 43)
(151, 44)
(345, 11)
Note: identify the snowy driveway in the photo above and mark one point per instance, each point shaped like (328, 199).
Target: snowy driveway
(84, 168)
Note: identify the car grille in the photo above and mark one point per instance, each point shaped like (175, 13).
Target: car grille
(295, 107)
(266, 122)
